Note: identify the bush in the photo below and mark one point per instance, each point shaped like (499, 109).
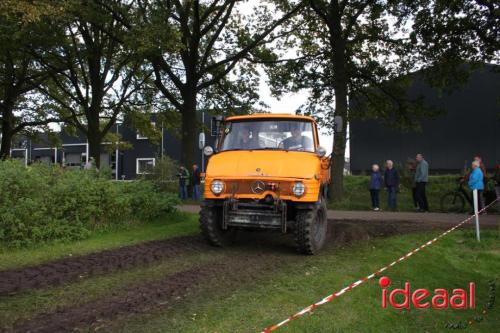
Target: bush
(44, 203)
(164, 175)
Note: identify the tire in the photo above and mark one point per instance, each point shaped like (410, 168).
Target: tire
(211, 227)
(311, 226)
(452, 202)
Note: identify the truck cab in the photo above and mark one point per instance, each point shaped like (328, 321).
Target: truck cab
(268, 172)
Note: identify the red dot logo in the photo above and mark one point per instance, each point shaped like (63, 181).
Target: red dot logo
(384, 282)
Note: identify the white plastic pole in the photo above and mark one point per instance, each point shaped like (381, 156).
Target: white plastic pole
(476, 213)
(87, 152)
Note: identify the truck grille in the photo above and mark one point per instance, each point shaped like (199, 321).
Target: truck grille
(255, 187)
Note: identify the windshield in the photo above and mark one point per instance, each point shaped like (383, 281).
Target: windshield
(268, 134)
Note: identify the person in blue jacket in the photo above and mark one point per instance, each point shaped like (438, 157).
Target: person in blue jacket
(375, 186)
(391, 178)
(476, 183)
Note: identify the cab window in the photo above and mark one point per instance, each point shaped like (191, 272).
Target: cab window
(268, 135)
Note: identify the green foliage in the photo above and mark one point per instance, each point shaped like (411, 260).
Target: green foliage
(43, 203)
(164, 174)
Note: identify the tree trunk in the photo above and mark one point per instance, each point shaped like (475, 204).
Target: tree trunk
(336, 187)
(339, 61)
(189, 129)
(94, 138)
(7, 131)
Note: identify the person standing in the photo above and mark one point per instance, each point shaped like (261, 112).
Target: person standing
(375, 186)
(421, 179)
(476, 182)
(196, 180)
(483, 169)
(391, 178)
(183, 181)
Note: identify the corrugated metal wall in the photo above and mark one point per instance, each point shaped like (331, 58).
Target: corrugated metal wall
(470, 126)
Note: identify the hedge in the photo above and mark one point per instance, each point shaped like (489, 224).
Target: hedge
(42, 203)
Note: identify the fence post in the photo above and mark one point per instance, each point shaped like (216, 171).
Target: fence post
(476, 213)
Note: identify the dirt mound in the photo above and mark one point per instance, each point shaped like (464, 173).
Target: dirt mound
(75, 268)
(346, 232)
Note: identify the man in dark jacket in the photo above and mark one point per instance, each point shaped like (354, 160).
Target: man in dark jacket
(196, 180)
(183, 182)
(391, 178)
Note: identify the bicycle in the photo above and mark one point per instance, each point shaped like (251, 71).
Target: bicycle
(454, 201)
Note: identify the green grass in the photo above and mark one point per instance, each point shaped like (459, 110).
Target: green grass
(357, 196)
(451, 263)
(175, 224)
(297, 282)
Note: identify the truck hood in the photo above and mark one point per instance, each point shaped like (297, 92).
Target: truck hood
(263, 163)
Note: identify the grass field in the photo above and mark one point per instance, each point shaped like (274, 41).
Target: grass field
(222, 305)
(450, 264)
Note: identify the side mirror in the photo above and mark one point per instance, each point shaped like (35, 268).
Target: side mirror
(208, 151)
(338, 123)
(321, 151)
(201, 140)
(215, 125)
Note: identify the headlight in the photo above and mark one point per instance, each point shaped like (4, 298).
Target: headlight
(217, 187)
(299, 189)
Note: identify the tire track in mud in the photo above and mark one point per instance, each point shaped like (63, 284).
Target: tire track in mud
(76, 268)
(73, 269)
(166, 292)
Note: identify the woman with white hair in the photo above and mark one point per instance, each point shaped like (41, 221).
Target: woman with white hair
(476, 182)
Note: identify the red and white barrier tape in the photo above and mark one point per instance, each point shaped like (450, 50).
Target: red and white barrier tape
(367, 278)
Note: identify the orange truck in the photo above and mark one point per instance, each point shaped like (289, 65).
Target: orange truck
(267, 171)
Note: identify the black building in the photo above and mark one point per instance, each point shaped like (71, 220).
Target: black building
(72, 150)
(470, 126)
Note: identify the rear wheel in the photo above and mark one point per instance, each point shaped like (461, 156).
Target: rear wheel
(452, 202)
(311, 228)
(211, 227)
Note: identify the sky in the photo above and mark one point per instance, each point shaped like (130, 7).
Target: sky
(287, 103)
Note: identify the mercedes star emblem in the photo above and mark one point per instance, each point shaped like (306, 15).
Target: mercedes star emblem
(258, 187)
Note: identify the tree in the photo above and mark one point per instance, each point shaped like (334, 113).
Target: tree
(348, 52)
(451, 33)
(23, 33)
(101, 76)
(196, 49)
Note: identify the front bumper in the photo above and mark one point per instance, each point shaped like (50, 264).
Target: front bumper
(252, 214)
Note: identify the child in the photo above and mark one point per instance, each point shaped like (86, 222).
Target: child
(375, 186)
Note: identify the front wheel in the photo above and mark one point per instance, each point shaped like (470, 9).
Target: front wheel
(311, 228)
(452, 202)
(211, 227)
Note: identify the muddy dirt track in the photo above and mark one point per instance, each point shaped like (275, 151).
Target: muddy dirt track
(255, 253)
(77, 268)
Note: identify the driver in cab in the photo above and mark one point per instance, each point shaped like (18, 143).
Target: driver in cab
(297, 141)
